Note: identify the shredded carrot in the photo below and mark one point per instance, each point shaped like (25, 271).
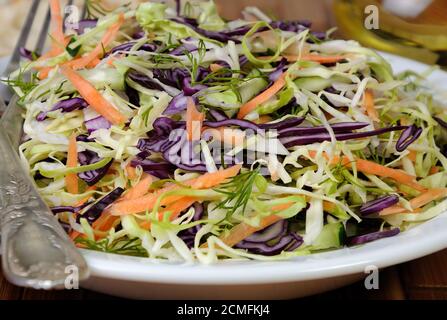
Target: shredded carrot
(131, 172)
(59, 41)
(147, 202)
(140, 189)
(174, 209)
(315, 58)
(434, 170)
(280, 207)
(106, 220)
(243, 230)
(93, 63)
(370, 167)
(44, 72)
(146, 225)
(179, 206)
(93, 97)
(92, 59)
(50, 54)
(418, 202)
(209, 180)
(57, 30)
(264, 119)
(412, 156)
(214, 67)
(71, 179)
(263, 97)
(368, 102)
(73, 235)
(194, 121)
(309, 57)
(329, 206)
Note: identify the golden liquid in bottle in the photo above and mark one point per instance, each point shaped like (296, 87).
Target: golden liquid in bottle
(422, 35)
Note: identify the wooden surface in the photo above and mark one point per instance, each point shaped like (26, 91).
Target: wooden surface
(424, 278)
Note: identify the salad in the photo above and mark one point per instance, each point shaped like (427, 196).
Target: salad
(172, 133)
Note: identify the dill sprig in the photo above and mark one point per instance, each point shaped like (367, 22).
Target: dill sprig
(130, 247)
(162, 58)
(238, 191)
(22, 83)
(224, 77)
(196, 60)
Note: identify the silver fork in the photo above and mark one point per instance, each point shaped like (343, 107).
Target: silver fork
(36, 251)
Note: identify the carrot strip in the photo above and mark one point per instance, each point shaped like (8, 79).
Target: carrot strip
(417, 202)
(57, 30)
(144, 203)
(243, 230)
(93, 97)
(309, 57)
(147, 202)
(329, 206)
(215, 67)
(264, 119)
(131, 172)
(213, 179)
(44, 72)
(93, 63)
(283, 206)
(178, 207)
(84, 200)
(74, 235)
(412, 155)
(368, 102)
(315, 58)
(92, 59)
(71, 179)
(194, 121)
(370, 167)
(434, 170)
(106, 220)
(174, 209)
(140, 189)
(263, 97)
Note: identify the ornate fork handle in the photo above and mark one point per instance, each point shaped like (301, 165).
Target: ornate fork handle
(36, 250)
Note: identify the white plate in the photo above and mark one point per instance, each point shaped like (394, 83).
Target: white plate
(144, 278)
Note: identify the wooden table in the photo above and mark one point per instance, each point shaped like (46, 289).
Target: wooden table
(424, 278)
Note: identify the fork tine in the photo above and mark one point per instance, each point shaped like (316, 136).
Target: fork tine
(26, 30)
(43, 33)
(84, 9)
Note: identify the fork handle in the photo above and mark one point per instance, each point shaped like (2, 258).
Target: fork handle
(36, 250)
